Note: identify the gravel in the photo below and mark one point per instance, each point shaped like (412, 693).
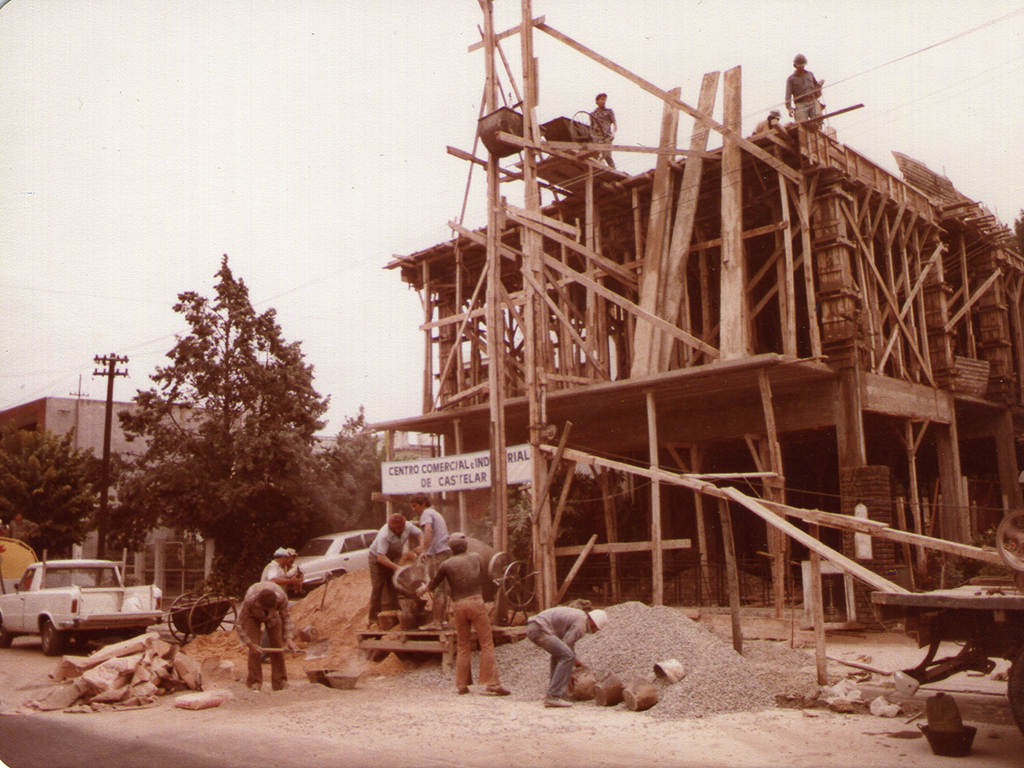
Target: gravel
(637, 637)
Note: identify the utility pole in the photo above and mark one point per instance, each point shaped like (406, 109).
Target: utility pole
(110, 361)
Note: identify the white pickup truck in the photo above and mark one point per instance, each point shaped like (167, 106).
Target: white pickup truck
(63, 600)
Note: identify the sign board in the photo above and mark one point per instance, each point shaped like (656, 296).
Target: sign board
(461, 472)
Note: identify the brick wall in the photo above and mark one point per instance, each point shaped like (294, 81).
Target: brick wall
(872, 487)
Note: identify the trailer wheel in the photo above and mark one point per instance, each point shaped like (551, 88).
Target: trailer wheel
(53, 639)
(1015, 689)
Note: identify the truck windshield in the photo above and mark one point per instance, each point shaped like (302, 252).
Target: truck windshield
(57, 578)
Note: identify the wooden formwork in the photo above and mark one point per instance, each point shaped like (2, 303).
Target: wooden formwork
(731, 306)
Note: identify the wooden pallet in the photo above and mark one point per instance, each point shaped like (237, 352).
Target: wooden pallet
(429, 641)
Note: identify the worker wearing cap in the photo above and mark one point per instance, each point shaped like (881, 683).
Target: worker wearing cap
(769, 122)
(603, 127)
(283, 571)
(556, 630)
(465, 573)
(265, 607)
(384, 554)
(802, 92)
(434, 546)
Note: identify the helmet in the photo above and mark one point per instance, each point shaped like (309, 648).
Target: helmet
(599, 617)
(799, 60)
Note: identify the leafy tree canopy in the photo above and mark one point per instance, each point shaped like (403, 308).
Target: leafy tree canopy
(229, 430)
(354, 468)
(46, 478)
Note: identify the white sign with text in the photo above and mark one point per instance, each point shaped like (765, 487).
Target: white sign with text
(462, 472)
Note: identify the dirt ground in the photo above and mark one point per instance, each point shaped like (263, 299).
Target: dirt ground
(389, 721)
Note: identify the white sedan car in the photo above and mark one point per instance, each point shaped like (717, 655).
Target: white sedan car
(333, 555)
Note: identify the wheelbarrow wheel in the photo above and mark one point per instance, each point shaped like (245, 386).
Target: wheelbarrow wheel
(178, 617)
(1015, 689)
(213, 612)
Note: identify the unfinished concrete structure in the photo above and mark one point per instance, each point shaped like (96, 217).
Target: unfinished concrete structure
(779, 315)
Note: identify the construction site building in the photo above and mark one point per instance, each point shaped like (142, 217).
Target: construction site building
(779, 315)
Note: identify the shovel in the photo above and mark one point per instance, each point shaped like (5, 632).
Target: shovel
(316, 649)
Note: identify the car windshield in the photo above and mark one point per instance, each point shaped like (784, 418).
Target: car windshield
(315, 548)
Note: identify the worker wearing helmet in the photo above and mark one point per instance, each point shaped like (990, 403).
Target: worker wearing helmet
(769, 122)
(556, 630)
(802, 91)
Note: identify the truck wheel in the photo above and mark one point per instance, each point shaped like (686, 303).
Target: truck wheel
(5, 636)
(53, 639)
(1015, 689)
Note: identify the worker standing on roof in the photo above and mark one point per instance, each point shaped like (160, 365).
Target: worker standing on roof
(602, 126)
(802, 92)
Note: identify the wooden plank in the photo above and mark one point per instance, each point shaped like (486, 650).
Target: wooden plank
(544, 221)
(673, 287)
(657, 566)
(644, 339)
(732, 574)
(906, 399)
(970, 303)
(575, 569)
(496, 37)
(733, 313)
(555, 460)
(618, 548)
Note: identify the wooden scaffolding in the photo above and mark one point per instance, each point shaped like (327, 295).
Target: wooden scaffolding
(779, 315)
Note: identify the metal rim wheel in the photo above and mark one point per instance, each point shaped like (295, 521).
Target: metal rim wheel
(519, 586)
(53, 639)
(213, 612)
(177, 617)
(1015, 689)
(1010, 540)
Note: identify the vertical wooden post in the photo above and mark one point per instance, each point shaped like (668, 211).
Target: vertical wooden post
(495, 316)
(734, 313)
(954, 521)
(732, 572)
(657, 565)
(428, 349)
(787, 287)
(696, 457)
(459, 447)
(389, 455)
(818, 613)
(804, 212)
(611, 528)
(775, 490)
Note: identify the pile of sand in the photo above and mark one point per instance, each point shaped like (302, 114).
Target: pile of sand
(335, 611)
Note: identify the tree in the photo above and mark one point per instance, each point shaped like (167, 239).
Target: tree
(43, 476)
(353, 464)
(230, 434)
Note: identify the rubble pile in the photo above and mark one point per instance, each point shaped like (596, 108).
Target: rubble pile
(132, 673)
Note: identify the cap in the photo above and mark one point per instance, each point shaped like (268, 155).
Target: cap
(799, 60)
(458, 542)
(775, 113)
(599, 617)
(281, 552)
(292, 552)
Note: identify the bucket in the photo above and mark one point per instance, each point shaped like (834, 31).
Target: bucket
(669, 670)
(950, 743)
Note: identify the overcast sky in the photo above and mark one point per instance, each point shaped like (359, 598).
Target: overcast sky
(306, 139)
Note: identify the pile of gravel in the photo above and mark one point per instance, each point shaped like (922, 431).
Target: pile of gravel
(636, 638)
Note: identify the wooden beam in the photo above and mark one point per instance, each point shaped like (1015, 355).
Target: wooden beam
(502, 35)
(657, 566)
(625, 546)
(970, 303)
(732, 574)
(733, 303)
(575, 569)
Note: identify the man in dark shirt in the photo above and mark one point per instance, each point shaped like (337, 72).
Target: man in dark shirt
(465, 572)
(602, 126)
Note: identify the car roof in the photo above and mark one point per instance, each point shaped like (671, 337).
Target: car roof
(346, 533)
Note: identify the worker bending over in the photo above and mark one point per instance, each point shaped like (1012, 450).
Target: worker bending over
(556, 630)
(265, 607)
(384, 554)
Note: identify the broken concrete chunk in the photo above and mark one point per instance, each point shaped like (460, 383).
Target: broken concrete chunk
(204, 700)
(188, 670)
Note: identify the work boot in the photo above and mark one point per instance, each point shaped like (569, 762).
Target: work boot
(498, 690)
(462, 691)
(555, 701)
(255, 687)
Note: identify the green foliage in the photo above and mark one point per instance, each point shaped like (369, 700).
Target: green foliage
(229, 431)
(46, 478)
(353, 474)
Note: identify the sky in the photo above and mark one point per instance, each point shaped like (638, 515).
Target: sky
(306, 139)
